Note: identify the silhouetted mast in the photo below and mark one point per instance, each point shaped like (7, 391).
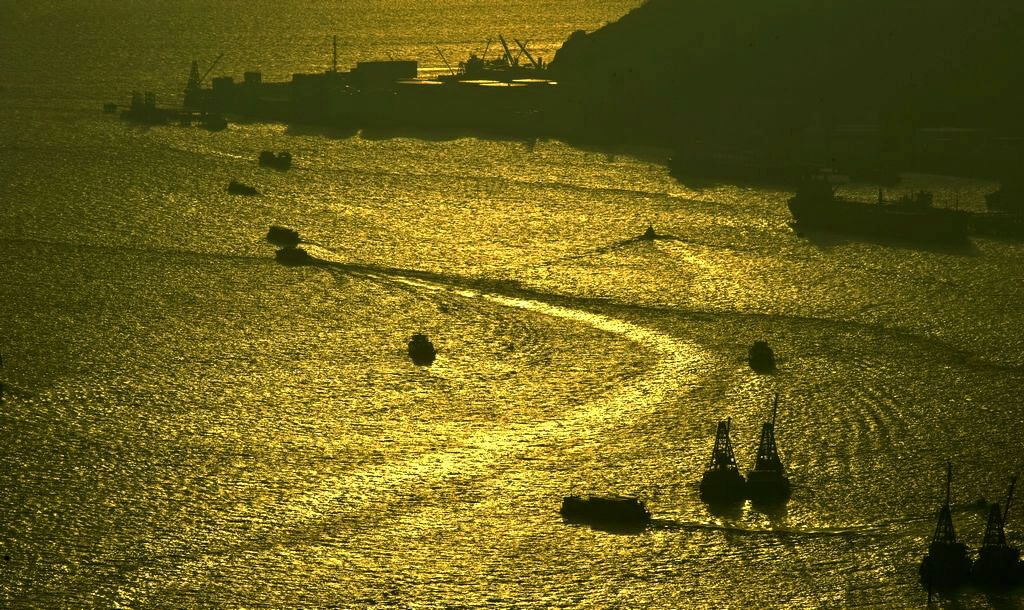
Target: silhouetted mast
(944, 532)
(995, 534)
(334, 61)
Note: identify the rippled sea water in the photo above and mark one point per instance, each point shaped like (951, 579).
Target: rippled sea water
(189, 424)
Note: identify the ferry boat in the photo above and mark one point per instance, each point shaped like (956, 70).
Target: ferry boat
(760, 357)
(608, 511)
(767, 481)
(722, 482)
(946, 565)
(421, 350)
(293, 256)
(282, 236)
(911, 218)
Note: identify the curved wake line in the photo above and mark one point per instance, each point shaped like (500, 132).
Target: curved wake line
(371, 487)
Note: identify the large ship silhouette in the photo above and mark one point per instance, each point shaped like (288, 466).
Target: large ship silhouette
(912, 217)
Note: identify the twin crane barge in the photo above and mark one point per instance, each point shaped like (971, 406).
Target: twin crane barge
(947, 564)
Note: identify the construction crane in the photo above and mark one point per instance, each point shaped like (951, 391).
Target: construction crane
(194, 80)
(533, 61)
(508, 54)
(445, 60)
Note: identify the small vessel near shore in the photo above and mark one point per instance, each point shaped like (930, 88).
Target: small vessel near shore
(998, 564)
(605, 511)
(421, 350)
(767, 481)
(293, 256)
(282, 236)
(281, 160)
(1009, 197)
(237, 188)
(946, 565)
(910, 218)
(760, 357)
(722, 482)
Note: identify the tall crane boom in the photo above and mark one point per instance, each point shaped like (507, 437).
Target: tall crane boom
(527, 53)
(508, 54)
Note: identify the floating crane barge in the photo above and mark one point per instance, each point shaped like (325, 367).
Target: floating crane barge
(946, 565)
(767, 481)
(998, 564)
(722, 482)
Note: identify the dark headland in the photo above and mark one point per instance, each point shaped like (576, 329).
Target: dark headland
(866, 81)
(741, 88)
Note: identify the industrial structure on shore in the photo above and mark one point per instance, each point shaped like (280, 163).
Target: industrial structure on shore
(497, 95)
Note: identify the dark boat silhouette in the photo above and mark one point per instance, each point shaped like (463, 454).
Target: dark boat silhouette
(421, 350)
(946, 565)
(605, 511)
(281, 160)
(282, 236)
(237, 188)
(722, 482)
(293, 256)
(766, 481)
(760, 357)
(998, 564)
(911, 218)
(1009, 197)
(649, 234)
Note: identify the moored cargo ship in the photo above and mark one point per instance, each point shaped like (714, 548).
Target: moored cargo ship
(911, 218)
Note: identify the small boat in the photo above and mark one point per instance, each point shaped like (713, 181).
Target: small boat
(214, 122)
(283, 236)
(281, 160)
(767, 481)
(946, 565)
(421, 350)
(237, 188)
(722, 482)
(760, 357)
(293, 256)
(998, 564)
(607, 511)
(110, 108)
(649, 234)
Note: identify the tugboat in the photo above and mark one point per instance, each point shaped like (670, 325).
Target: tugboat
(946, 565)
(421, 350)
(293, 256)
(606, 511)
(283, 236)
(911, 218)
(998, 563)
(722, 482)
(281, 160)
(767, 482)
(760, 357)
(237, 188)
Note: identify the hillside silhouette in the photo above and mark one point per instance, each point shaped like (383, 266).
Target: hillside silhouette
(748, 70)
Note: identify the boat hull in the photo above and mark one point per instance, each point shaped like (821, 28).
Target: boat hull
(885, 221)
(723, 486)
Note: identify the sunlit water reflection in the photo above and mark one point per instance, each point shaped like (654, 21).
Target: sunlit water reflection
(191, 424)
